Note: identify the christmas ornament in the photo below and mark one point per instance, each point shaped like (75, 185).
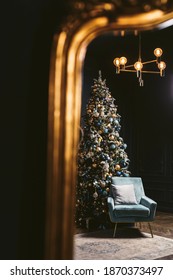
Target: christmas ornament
(117, 167)
(102, 184)
(112, 146)
(111, 137)
(109, 177)
(118, 173)
(104, 193)
(101, 155)
(95, 195)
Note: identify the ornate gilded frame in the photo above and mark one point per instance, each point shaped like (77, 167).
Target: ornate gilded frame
(68, 54)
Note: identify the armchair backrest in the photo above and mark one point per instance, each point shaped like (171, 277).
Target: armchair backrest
(136, 181)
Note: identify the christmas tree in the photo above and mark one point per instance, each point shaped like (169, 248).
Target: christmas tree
(101, 155)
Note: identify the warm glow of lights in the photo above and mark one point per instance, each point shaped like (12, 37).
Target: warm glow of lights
(140, 19)
(158, 52)
(116, 62)
(162, 65)
(123, 60)
(108, 6)
(138, 65)
(120, 64)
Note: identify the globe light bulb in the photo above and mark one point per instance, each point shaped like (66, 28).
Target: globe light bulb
(162, 65)
(138, 66)
(116, 62)
(123, 60)
(158, 52)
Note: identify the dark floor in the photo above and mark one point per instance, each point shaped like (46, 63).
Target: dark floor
(162, 225)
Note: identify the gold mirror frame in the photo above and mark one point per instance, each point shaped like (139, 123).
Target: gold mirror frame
(68, 54)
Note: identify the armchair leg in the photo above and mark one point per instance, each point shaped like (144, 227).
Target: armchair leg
(150, 230)
(115, 228)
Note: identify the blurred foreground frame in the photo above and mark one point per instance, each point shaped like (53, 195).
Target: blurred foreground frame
(86, 21)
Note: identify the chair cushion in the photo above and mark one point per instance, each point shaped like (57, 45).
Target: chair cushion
(131, 211)
(123, 194)
(136, 181)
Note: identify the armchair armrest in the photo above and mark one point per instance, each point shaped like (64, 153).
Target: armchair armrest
(110, 202)
(149, 203)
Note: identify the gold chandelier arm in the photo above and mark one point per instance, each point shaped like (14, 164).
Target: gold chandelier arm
(150, 61)
(134, 71)
(139, 46)
(128, 66)
(125, 70)
(151, 72)
(145, 62)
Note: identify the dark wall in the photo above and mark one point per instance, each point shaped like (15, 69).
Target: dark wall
(147, 112)
(27, 29)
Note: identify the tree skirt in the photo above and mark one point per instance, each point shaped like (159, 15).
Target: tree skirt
(128, 245)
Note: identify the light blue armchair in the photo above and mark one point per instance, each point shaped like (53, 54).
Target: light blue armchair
(128, 203)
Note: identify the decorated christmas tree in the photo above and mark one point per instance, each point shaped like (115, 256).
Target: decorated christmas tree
(101, 155)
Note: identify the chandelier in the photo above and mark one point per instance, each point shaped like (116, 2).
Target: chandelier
(138, 66)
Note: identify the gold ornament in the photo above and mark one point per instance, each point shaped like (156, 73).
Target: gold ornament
(111, 137)
(117, 167)
(90, 121)
(94, 165)
(96, 114)
(95, 195)
(102, 184)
